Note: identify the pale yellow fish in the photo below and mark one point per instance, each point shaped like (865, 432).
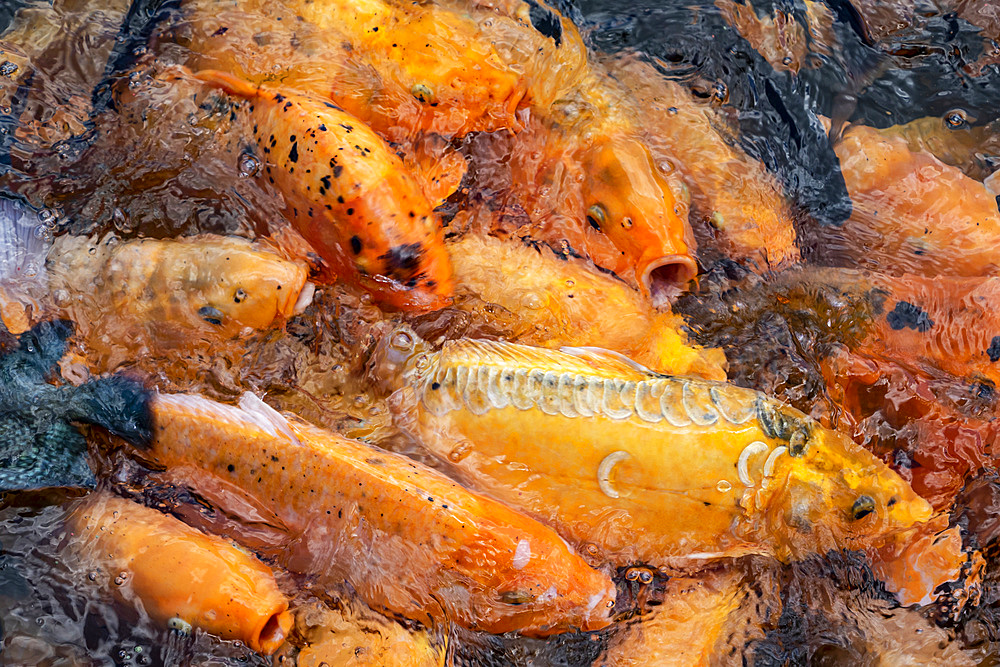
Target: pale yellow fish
(642, 467)
(558, 302)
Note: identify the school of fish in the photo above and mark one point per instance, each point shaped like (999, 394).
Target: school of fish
(436, 383)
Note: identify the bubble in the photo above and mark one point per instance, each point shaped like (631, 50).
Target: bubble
(249, 165)
(672, 111)
(723, 486)
(92, 575)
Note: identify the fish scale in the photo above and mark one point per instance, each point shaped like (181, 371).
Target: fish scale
(645, 467)
(404, 536)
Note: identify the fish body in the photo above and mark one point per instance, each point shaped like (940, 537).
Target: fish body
(441, 58)
(404, 536)
(39, 446)
(180, 575)
(349, 195)
(564, 302)
(914, 214)
(210, 286)
(605, 450)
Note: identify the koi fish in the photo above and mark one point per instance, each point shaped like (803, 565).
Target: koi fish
(404, 536)
(912, 212)
(591, 167)
(563, 302)
(421, 67)
(741, 204)
(944, 324)
(686, 630)
(210, 286)
(39, 446)
(340, 635)
(603, 449)
(182, 577)
(349, 195)
(973, 149)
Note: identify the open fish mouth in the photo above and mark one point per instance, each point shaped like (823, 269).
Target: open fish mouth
(666, 278)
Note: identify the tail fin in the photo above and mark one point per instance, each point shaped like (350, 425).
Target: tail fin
(227, 82)
(117, 403)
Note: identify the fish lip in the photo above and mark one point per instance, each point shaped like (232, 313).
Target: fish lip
(672, 273)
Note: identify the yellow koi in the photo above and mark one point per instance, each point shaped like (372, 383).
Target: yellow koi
(200, 286)
(564, 302)
(641, 466)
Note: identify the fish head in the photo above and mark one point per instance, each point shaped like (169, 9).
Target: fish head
(837, 495)
(396, 356)
(630, 200)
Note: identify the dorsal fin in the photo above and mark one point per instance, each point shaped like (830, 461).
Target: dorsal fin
(609, 358)
(588, 361)
(264, 414)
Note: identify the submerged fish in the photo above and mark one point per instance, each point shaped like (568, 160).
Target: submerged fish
(39, 447)
(912, 212)
(180, 576)
(605, 450)
(207, 286)
(404, 536)
(349, 195)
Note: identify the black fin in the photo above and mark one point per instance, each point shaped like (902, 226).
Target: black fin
(118, 403)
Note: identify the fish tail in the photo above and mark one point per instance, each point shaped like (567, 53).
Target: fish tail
(117, 403)
(227, 82)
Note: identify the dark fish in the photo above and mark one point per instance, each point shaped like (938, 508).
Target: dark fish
(39, 446)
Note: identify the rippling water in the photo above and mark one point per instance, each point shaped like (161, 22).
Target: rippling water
(92, 145)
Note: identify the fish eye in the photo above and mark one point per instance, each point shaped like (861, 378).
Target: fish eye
(423, 93)
(862, 507)
(596, 216)
(401, 341)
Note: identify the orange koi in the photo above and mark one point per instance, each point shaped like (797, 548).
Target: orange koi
(686, 630)
(209, 286)
(563, 302)
(589, 441)
(939, 324)
(349, 195)
(912, 212)
(593, 169)
(403, 535)
(351, 634)
(741, 203)
(180, 576)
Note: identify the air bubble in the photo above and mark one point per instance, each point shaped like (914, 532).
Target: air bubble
(956, 119)
(723, 486)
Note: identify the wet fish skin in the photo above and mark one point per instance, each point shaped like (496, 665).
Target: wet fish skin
(404, 536)
(349, 195)
(592, 443)
(39, 447)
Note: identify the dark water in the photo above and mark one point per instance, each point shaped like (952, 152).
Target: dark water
(50, 616)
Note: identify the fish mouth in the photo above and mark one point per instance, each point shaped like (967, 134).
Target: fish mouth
(664, 279)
